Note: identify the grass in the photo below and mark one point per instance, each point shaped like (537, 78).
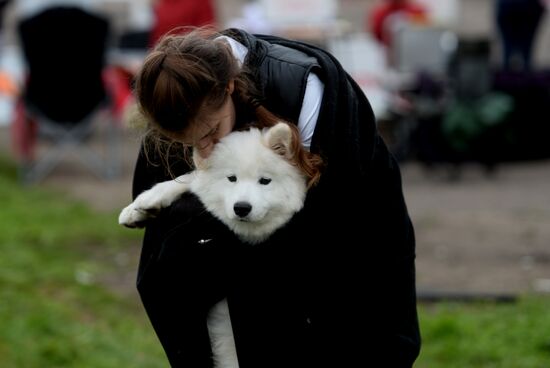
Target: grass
(486, 335)
(54, 311)
(57, 311)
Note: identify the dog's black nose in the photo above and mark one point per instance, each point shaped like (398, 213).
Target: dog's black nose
(242, 209)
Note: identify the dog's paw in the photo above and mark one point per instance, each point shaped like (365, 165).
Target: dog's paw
(134, 217)
(149, 203)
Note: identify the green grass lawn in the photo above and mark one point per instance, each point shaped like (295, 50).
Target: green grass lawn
(57, 309)
(486, 335)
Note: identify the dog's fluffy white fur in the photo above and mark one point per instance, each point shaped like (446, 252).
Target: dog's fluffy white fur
(250, 183)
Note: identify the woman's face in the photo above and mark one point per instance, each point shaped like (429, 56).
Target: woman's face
(208, 129)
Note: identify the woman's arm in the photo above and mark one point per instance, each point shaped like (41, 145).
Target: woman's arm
(311, 105)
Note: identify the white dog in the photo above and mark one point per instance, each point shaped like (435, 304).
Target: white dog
(254, 182)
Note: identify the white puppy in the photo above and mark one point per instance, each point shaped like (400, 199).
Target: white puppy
(253, 182)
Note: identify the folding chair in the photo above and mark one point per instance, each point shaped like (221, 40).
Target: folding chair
(64, 96)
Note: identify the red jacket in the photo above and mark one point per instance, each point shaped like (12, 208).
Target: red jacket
(175, 13)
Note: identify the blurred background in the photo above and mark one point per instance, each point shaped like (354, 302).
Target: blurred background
(461, 94)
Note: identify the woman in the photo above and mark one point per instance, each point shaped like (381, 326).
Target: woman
(336, 286)
(518, 22)
(381, 19)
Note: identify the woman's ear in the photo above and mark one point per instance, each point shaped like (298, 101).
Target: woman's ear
(231, 86)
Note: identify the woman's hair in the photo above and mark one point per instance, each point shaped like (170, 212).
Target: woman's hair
(182, 75)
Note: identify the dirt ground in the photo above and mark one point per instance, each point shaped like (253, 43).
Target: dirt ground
(476, 235)
(482, 234)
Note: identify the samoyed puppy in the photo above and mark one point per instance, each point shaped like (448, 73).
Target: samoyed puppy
(254, 181)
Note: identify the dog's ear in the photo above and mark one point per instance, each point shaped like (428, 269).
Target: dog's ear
(200, 162)
(279, 139)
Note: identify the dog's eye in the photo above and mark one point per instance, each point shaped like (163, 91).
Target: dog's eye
(232, 178)
(264, 181)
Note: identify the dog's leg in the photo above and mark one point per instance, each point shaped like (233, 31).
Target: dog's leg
(221, 336)
(149, 203)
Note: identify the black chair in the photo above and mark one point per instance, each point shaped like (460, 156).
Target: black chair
(65, 94)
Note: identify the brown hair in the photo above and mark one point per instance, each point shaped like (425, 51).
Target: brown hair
(309, 163)
(183, 74)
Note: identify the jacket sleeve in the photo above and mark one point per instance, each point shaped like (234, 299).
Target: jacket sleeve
(183, 272)
(367, 274)
(184, 259)
(150, 169)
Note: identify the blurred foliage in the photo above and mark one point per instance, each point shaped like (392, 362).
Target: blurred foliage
(466, 121)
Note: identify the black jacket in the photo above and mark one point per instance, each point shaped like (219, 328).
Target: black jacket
(336, 286)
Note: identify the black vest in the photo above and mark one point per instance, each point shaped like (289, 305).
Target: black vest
(280, 73)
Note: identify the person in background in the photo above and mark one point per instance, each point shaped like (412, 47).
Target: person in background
(518, 22)
(336, 286)
(170, 14)
(383, 16)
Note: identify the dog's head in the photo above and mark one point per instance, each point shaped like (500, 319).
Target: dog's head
(253, 180)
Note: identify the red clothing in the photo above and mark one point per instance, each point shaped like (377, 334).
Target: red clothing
(379, 15)
(175, 13)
